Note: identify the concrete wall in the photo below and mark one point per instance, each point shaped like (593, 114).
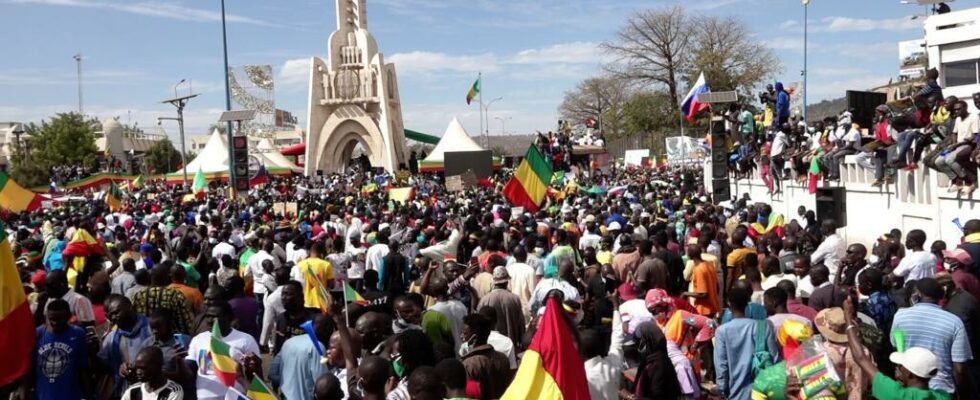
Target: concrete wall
(917, 200)
(952, 37)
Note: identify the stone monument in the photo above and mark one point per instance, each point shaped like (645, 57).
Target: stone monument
(353, 99)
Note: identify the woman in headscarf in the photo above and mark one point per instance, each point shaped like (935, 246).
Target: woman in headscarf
(688, 330)
(655, 376)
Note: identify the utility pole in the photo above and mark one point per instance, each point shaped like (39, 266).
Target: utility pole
(78, 65)
(180, 103)
(806, 22)
(231, 136)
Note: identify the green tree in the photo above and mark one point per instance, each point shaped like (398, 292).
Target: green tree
(162, 157)
(651, 115)
(66, 139)
(724, 49)
(598, 98)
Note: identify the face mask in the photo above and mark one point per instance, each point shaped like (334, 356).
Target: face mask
(399, 368)
(539, 251)
(212, 240)
(467, 346)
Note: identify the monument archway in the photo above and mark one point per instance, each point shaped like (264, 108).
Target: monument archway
(353, 99)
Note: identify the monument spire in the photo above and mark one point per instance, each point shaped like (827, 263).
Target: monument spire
(351, 13)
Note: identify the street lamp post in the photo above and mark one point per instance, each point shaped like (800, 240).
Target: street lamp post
(486, 115)
(78, 64)
(806, 72)
(231, 137)
(502, 124)
(180, 103)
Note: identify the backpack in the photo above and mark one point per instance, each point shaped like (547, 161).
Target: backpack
(761, 359)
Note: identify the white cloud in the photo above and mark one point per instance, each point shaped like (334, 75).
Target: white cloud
(427, 62)
(789, 24)
(831, 87)
(571, 53)
(794, 43)
(152, 9)
(848, 24)
(295, 72)
(556, 57)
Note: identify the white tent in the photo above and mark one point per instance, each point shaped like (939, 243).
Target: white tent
(213, 158)
(455, 139)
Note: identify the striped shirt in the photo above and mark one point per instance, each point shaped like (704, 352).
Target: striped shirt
(928, 326)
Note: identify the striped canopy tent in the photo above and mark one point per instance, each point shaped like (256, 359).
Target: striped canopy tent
(213, 160)
(455, 139)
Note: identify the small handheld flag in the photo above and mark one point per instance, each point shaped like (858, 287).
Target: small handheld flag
(224, 366)
(113, 197)
(351, 295)
(258, 390)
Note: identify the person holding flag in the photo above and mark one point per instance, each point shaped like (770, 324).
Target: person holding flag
(218, 356)
(298, 364)
(318, 278)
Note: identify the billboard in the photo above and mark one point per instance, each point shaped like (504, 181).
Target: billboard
(912, 59)
(683, 148)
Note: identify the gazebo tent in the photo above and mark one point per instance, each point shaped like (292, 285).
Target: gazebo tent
(454, 139)
(213, 160)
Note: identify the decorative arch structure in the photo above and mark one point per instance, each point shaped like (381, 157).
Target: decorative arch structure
(353, 99)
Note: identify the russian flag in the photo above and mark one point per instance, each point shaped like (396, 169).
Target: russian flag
(691, 106)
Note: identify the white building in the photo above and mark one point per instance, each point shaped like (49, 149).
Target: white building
(953, 45)
(8, 139)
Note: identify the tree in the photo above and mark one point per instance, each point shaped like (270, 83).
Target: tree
(724, 50)
(68, 139)
(162, 157)
(651, 48)
(601, 98)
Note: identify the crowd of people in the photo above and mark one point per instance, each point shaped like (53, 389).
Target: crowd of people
(670, 295)
(925, 128)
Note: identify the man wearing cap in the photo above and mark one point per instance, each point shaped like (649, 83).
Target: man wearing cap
(831, 324)
(928, 326)
(957, 261)
(510, 313)
(915, 368)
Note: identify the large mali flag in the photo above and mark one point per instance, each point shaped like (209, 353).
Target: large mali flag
(529, 185)
(257, 390)
(551, 367)
(16, 322)
(474, 90)
(15, 197)
(81, 245)
(224, 366)
(113, 197)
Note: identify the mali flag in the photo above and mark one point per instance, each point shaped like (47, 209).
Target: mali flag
(351, 295)
(474, 90)
(200, 183)
(224, 366)
(257, 390)
(529, 185)
(16, 322)
(136, 183)
(15, 197)
(551, 367)
(113, 197)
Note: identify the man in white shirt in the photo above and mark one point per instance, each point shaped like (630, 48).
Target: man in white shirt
(241, 345)
(832, 250)
(498, 341)
(223, 248)
(296, 249)
(604, 373)
(776, 157)
(255, 268)
(918, 263)
(521, 277)
(951, 160)
(590, 238)
(377, 252)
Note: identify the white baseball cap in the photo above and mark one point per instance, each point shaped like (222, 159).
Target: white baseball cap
(614, 226)
(918, 361)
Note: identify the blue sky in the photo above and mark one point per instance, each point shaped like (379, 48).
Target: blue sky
(530, 52)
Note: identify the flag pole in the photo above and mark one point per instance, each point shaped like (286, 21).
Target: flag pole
(346, 311)
(267, 388)
(479, 83)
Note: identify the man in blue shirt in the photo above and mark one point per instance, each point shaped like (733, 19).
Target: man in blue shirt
(120, 347)
(60, 356)
(297, 365)
(735, 347)
(928, 326)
